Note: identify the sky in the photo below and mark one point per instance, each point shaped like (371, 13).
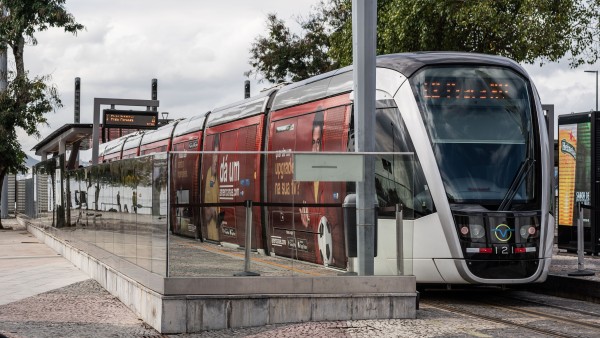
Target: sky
(198, 50)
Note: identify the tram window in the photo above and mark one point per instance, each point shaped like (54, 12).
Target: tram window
(179, 146)
(399, 179)
(481, 127)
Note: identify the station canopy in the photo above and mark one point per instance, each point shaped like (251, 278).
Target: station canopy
(70, 134)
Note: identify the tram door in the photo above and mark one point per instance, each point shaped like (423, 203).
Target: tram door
(307, 223)
(231, 178)
(185, 188)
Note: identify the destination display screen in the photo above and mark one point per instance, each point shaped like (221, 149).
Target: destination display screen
(452, 88)
(130, 119)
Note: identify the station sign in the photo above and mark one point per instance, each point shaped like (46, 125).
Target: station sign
(130, 119)
(328, 167)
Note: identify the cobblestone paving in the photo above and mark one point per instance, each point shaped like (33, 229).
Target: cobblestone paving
(430, 323)
(85, 309)
(82, 309)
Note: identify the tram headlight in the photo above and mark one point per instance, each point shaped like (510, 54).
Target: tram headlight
(472, 231)
(477, 231)
(528, 231)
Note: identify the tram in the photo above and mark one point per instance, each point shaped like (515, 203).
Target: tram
(477, 193)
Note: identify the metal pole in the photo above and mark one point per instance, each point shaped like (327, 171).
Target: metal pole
(96, 132)
(595, 71)
(246, 89)
(579, 238)
(77, 101)
(248, 235)
(3, 85)
(154, 90)
(4, 208)
(247, 271)
(169, 201)
(399, 239)
(581, 271)
(3, 59)
(364, 34)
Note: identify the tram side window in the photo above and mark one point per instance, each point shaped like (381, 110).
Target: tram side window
(179, 146)
(399, 179)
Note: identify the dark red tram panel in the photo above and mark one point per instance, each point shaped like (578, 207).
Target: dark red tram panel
(309, 230)
(185, 178)
(230, 178)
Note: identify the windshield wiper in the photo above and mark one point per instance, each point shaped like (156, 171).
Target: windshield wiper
(523, 171)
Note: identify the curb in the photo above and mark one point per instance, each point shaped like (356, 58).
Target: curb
(568, 287)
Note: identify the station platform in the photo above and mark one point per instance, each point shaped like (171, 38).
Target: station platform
(214, 296)
(561, 283)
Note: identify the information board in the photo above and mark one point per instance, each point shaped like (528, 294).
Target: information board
(130, 119)
(578, 177)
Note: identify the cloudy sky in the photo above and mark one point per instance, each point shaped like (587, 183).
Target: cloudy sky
(198, 50)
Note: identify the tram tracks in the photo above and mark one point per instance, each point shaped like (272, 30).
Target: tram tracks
(559, 307)
(454, 309)
(517, 312)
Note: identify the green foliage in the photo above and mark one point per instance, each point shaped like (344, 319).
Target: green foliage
(286, 56)
(524, 30)
(25, 101)
(25, 18)
(23, 105)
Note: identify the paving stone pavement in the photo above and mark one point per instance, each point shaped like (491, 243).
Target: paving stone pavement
(28, 267)
(83, 309)
(431, 323)
(43, 295)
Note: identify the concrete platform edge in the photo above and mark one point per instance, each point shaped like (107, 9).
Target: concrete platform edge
(145, 303)
(194, 313)
(568, 287)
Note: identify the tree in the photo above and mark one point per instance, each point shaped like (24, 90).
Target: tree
(524, 30)
(286, 56)
(25, 101)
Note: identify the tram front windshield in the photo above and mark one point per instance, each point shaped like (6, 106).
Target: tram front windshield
(479, 123)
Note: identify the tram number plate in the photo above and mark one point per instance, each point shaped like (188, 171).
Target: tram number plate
(502, 250)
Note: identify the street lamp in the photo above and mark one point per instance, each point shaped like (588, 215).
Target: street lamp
(595, 71)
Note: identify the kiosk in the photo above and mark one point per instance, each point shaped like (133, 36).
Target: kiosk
(578, 179)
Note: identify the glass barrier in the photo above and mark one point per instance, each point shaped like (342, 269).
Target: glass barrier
(119, 207)
(302, 216)
(193, 214)
(48, 192)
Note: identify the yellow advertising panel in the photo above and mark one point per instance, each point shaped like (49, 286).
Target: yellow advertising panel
(567, 143)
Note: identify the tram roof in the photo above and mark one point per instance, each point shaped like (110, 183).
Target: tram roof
(254, 105)
(190, 125)
(159, 134)
(133, 141)
(341, 80)
(409, 63)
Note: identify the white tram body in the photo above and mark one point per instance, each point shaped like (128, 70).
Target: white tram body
(480, 137)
